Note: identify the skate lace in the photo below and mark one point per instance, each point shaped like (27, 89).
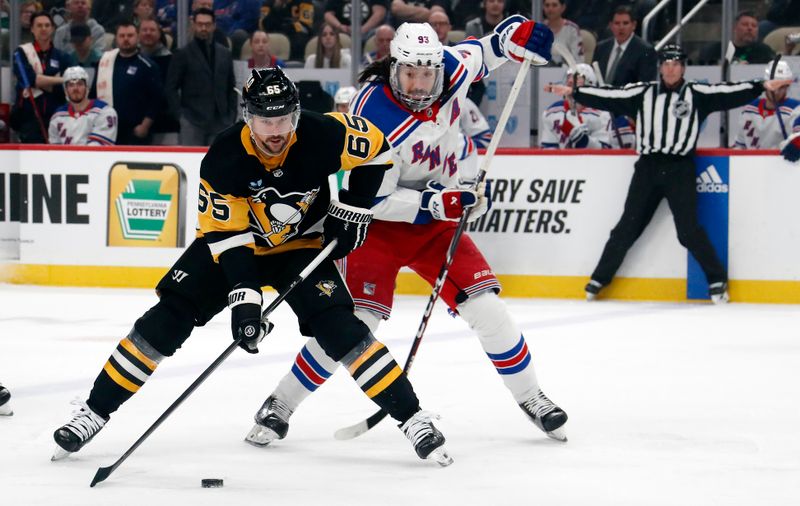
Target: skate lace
(419, 426)
(85, 422)
(539, 405)
(279, 408)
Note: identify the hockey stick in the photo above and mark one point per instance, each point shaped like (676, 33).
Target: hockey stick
(726, 76)
(365, 425)
(29, 91)
(104, 472)
(772, 94)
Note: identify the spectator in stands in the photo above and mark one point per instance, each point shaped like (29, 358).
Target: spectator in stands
(441, 25)
(143, 9)
(130, 83)
(625, 57)
(415, 11)
(329, 52)
(82, 121)
(81, 47)
(745, 41)
(26, 10)
(566, 32)
(373, 12)
(237, 19)
(262, 57)
(109, 13)
(78, 11)
(293, 18)
(40, 65)
(768, 121)
(383, 39)
(494, 11)
(464, 11)
(780, 13)
(200, 84)
(219, 36)
(151, 44)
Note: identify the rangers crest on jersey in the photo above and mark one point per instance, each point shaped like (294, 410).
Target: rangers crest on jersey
(282, 212)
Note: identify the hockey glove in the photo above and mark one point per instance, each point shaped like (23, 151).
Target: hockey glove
(522, 39)
(446, 204)
(348, 224)
(790, 148)
(246, 325)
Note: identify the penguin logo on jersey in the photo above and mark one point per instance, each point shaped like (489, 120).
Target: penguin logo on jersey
(326, 287)
(278, 215)
(681, 109)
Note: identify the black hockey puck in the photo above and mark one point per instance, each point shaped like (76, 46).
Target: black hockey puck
(211, 483)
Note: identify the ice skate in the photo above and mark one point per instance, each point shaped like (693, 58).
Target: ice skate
(718, 292)
(427, 440)
(272, 422)
(546, 415)
(5, 405)
(592, 289)
(73, 435)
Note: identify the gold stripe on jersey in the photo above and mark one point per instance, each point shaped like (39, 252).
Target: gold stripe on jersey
(128, 345)
(384, 382)
(119, 379)
(128, 367)
(364, 143)
(375, 369)
(269, 162)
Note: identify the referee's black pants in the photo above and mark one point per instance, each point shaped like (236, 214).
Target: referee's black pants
(655, 177)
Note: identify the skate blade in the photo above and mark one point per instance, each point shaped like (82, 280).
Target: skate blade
(59, 454)
(441, 457)
(558, 434)
(5, 410)
(590, 296)
(261, 436)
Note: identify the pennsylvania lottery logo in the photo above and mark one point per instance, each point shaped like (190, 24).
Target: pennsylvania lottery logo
(143, 209)
(709, 181)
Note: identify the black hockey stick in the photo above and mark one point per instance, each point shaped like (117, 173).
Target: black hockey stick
(365, 425)
(104, 472)
(772, 95)
(726, 77)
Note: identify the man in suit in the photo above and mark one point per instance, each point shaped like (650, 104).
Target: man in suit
(625, 57)
(200, 84)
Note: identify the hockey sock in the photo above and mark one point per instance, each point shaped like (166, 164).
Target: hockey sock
(378, 375)
(126, 370)
(503, 343)
(311, 368)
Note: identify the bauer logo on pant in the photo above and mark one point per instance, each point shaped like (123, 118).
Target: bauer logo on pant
(326, 287)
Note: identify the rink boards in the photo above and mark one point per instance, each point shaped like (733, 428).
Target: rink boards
(120, 217)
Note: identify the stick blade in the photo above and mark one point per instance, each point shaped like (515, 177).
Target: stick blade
(101, 474)
(356, 430)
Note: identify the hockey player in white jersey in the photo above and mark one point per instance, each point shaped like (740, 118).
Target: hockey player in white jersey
(773, 120)
(416, 98)
(82, 121)
(474, 125)
(566, 124)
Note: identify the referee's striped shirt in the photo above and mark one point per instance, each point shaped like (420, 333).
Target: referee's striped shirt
(668, 121)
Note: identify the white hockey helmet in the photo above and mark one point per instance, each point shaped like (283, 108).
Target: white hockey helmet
(75, 73)
(416, 45)
(782, 71)
(586, 71)
(344, 95)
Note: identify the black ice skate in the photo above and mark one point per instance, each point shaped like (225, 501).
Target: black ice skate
(73, 435)
(5, 405)
(272, 422)
(592, 289)
(546, 415)
(427, 440)
(718, 292)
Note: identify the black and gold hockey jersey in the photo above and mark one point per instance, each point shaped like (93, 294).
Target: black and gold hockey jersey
(274, 204)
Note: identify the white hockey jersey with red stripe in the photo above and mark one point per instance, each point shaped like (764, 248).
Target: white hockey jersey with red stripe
(427, 145)
(759, 127)
(95, 126)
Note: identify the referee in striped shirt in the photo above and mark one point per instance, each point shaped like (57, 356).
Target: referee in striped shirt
(668, 117)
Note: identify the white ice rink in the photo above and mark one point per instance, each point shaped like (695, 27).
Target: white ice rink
(669, 404)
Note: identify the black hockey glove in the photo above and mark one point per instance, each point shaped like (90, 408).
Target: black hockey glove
(245, 303)
(348, 224)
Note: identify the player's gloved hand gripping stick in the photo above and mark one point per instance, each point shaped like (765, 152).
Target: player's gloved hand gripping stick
(365, 425)
(104, 472)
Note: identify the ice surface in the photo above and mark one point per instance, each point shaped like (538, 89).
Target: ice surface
(669, 404)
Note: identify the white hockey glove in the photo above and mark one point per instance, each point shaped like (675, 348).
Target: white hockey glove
(246, 324)
(522, 39)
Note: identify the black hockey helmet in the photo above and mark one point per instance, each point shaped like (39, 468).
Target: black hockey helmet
(268, 92)
(672, 52)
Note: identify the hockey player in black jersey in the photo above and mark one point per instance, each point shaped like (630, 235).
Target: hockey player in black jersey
(265, 211)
